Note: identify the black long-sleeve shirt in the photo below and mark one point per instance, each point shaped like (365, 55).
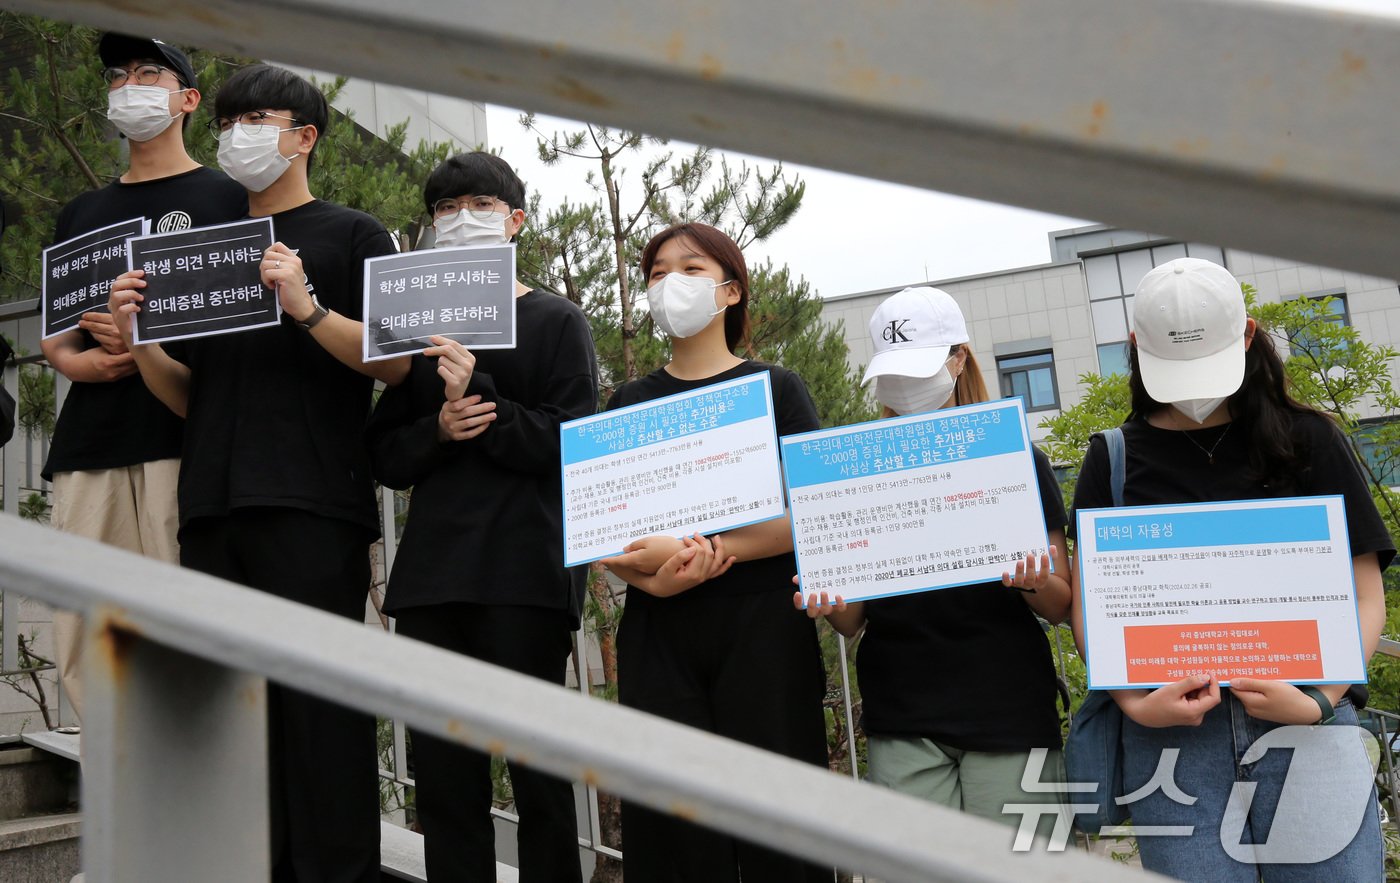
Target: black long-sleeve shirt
(485, 524)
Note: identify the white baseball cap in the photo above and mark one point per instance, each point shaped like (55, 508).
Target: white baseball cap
(1189, 321)
(913, 331)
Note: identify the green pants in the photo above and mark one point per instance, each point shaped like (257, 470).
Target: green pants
(977, 782)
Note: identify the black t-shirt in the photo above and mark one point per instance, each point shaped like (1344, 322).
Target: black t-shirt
(485, 523)
(968, 666)
(274, 419)
(793, 412)
(1164, 467)
(109, 425)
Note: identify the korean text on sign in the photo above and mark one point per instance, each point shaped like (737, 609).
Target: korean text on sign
(466, 294)
(78, 273)
(916, 503)
(706, 460)
(1259, 589)
(204, 281)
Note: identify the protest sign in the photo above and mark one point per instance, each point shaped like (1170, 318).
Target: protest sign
(912, 504)
(78, 273)
(705, 460)
(466, 293)
(203, 281)
(1259, 589)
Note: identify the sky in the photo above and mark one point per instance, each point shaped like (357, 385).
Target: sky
(940, 236)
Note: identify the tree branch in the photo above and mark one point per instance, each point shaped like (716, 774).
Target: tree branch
(58, 131)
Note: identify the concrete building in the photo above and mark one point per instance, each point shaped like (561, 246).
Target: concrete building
(1037, 330)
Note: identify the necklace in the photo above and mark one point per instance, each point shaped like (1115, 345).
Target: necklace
(1209, 452)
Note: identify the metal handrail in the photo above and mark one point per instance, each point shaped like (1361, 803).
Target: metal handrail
(138, 611)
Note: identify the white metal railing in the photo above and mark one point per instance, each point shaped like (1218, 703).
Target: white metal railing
(174, 754)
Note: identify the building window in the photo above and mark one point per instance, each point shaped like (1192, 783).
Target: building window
(1113, 359)
(1030, 377)
(1378, 451)
(1331, 308)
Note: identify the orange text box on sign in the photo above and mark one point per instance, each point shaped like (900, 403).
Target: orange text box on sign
(1288, 650)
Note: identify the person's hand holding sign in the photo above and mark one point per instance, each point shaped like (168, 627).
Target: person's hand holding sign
(282, 271)
(1276, 701)
(1182, 704)
(1031, 575)
(455, 365)
(124, 302)
(100, 326)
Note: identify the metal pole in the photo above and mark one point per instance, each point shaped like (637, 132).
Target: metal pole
(850, 718)
(595, 824)
(1389, 767)
(174, 764)
(9, 486)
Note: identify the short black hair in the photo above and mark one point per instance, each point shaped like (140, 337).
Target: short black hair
(265, 87)
(474, 174)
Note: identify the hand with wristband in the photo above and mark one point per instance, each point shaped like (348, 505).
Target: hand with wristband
(1283, 703)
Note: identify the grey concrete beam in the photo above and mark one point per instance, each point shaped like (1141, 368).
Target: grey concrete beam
(161, 636)
(1241, 122)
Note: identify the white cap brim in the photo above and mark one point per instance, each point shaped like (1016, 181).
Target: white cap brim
(1216, 376)
(924, 361)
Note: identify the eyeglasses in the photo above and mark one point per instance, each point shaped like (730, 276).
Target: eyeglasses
(142, 75)
(480, 207)
(251, 123)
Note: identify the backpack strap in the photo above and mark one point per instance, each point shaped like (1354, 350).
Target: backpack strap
(1117, 457)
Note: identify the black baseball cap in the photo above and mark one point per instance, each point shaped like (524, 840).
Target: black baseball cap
(116, 50)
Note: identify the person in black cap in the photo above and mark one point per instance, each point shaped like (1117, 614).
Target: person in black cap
(115, 452)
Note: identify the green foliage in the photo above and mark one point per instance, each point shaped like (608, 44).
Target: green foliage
(788, 330)
(1333, 369)
(590, 251)
(35, 507)
(1105, 404)
(58, 143)
(56, 139)
(36, 411)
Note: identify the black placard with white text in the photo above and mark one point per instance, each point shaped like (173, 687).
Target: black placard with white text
(204, 281)
(465, 293)
(78, 273)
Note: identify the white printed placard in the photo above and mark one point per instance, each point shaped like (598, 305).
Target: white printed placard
(466, 293)
(913, 504)
(705, 461)
(1257, 589)
(78, 273)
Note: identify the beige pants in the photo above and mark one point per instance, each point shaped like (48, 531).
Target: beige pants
(132, 508)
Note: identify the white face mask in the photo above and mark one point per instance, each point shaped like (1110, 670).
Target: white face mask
(683, 306)
(140, 112)
(915, 395)
(463, 229)
(254, 160)
(1198, 409)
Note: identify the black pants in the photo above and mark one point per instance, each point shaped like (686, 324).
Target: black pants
(747, 667)
(453, 783)
(323, 769)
